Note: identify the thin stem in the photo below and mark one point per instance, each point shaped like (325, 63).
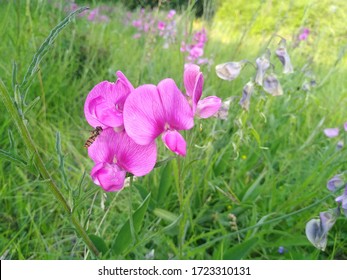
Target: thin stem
(31, 147)
(181, 202)
(131, 220)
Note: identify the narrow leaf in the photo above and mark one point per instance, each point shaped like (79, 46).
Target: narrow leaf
(124, 237)
(240, 251)
(14, 75)
(99, 243)
(165, 215)
(34, 65)
(165, 183)
(31, 105)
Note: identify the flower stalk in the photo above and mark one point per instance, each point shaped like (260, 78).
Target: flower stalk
(31, 147)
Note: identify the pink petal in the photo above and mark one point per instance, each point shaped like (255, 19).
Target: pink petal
(178, 114)
(118, 148)
(124, 87)
(345, 126)
(197, 90)
(136, 159)
(331, 132)
(109, 176)
(103, 149)
(98, 109)
(175, 142)
(144, 118)
(189, 78)
(104, 103)
(208, 106)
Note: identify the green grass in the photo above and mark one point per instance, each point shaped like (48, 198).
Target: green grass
(262, 166)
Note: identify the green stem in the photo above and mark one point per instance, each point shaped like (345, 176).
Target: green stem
(131, 220)
(31, 147)
(180, 199)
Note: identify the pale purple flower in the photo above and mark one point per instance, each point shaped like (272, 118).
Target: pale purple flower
(342, 199)
(334, 183)
(104, 103)
(193, 82)
(339, 145)
(247, 92)
(203, 61)
(272, 85)
(283, 56)
(331, 132)
(229, 70)
(223, 111)
(263, 63)
(317, 229)
(152, 110)
(281, 250)
(345, 126)
(115, 154)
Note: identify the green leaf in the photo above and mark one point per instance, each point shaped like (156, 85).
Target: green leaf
(165, 183)
(124, 237)
(99, 243)
(14, 75)
(239, 251)
(165, 215)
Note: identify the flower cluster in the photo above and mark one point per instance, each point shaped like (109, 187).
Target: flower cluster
(148, 22)
(130, 120)
(195, 49)
(317, 229)
(267, 81)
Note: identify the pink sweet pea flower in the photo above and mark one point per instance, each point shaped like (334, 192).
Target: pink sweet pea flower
(152, 110)
(104, 103)
(171, 14)
(93, 14)
(193, 82)
(161, 25)
(115, 154)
